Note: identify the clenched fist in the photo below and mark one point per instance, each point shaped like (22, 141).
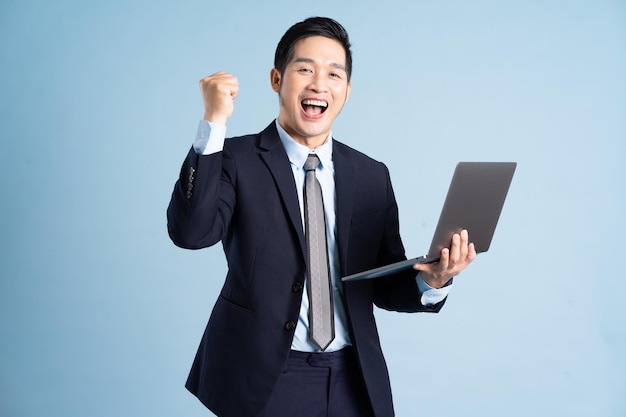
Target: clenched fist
(218, 92)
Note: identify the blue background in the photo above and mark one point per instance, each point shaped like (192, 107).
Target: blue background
(100, 314)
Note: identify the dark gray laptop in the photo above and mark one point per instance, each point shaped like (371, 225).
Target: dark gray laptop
(474, 202)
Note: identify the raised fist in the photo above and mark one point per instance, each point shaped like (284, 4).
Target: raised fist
(218, 92)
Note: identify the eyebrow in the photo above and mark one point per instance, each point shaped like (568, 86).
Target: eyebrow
(311, 61)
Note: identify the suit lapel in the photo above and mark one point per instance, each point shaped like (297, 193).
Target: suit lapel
(345, 183)
(275, 157)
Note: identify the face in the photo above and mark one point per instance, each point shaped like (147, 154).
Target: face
(312, 90)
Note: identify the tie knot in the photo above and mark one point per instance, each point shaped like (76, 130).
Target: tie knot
(312, 161)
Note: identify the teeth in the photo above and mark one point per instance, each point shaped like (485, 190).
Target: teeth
(317, 103)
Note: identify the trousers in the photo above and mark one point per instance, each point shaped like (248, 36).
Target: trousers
(320, 385)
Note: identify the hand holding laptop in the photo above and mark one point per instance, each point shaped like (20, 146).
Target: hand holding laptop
(451, 263)
(474, 202)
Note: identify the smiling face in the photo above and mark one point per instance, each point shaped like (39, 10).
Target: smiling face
(312, 90)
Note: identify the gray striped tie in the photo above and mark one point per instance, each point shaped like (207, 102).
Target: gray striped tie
(322, 329)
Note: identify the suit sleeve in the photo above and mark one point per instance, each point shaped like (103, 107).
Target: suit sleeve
(203, 200)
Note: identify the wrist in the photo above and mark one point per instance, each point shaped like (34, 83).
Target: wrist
(217, 119)
(436, 283)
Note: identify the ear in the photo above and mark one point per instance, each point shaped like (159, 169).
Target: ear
(275, 79)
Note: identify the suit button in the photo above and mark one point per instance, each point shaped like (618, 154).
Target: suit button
(290, 325)
(297, 287)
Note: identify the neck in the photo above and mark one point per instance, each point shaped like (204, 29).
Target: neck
(311, 142)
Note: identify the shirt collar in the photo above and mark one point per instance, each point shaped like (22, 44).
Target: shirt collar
(298, 153)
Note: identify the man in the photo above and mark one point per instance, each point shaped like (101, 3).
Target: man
(259, 356)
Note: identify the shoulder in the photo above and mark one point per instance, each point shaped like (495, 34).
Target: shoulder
(356, 157)
(240, 143)
(265, 140)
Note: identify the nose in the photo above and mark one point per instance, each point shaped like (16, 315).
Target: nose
(319, 82)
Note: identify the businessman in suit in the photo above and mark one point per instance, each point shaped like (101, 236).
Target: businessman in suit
(257, 357)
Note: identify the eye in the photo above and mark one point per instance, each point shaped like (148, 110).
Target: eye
(305, 70)
(335, 75)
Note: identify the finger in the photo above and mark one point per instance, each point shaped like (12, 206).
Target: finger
(421, 267)
(219, 88)
(234, 89)
(464, 245)
(220, 78)
(471, 253)
(231, 87)
(219, 74)
(444, 261)
(455, 249)
(426, 266)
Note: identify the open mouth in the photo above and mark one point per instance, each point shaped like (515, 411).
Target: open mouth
(314, 107)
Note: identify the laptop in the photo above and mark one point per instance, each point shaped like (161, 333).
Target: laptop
(474, 202)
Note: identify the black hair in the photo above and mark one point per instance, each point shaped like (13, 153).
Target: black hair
(313, 26)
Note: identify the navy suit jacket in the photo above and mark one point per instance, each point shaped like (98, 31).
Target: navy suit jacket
(245, 197)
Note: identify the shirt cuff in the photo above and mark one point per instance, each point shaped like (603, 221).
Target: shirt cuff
(209, 138)
(430, 295)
